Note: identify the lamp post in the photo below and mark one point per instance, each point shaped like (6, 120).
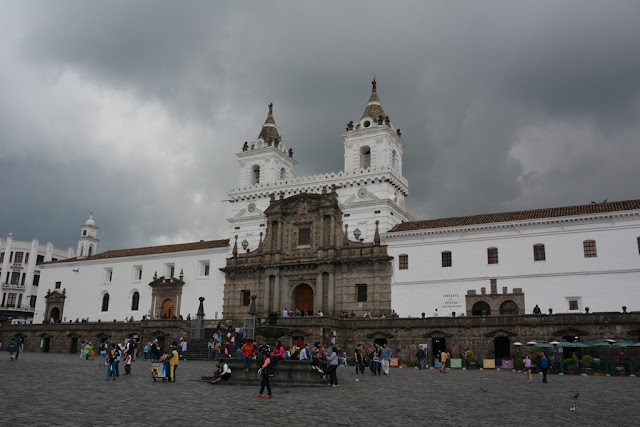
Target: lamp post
(555, 356)
(245, 244)
(518, 345)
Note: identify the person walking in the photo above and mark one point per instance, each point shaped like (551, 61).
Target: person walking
(332, 361)
(420, 355)
(527, 368)
(183, 348)
(174, 360)
(386, 358)
(12, 348)
(103, 353)
(544, 366)
(112, 361)
(359, 359)
(443, 359)
(267, 372)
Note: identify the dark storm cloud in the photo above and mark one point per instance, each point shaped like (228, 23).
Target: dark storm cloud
(135, 110)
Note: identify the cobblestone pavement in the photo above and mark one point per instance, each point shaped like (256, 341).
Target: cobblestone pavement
(60, 389)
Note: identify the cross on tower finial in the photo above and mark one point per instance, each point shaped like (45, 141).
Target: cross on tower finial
(271, 108)
(373, 84)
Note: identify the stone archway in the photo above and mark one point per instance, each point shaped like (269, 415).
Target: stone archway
(481, 308)
(167, 310)
(55, 314)
(304, 299)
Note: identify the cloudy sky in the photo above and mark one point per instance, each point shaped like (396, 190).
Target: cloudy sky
(134, 110)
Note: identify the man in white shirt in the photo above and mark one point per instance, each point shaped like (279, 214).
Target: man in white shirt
(304, 352)
(285, 313)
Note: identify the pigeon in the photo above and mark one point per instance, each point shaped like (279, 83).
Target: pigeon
(576, 396)
(573, 408)
(484, 389)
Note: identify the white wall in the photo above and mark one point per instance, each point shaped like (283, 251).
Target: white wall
(604, 283)
(85, 288)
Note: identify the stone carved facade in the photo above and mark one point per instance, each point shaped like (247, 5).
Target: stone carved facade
(494, 303)
(306, 261)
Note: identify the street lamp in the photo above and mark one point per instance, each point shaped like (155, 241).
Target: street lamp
(245, 244)
(555, 355)
(518, 345)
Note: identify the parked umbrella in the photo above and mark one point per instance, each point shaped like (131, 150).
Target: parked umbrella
(543, 345)
(623, 343)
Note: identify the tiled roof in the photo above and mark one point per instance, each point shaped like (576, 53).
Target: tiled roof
(269, 132)
(461, 221)
(150, 250)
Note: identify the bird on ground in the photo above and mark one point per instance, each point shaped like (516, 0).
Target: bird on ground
(484, 389)
(573, 408)
(576, 395)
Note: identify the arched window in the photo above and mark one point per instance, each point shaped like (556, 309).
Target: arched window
(255, 174)
(135, 301)
(365, 157)
(90, 250)
(492, 255)
(539, 253)
(509, 307)
(105, 302)
(283, 174)
(639, 245)
(481, 308)
(589, 249)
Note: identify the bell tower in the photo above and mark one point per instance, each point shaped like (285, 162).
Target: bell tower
(266, 160)
(88, 240)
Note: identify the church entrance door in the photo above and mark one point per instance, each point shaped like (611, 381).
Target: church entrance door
(167, 310)
(304, 299)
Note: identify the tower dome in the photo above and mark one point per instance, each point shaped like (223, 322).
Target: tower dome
(90, 221)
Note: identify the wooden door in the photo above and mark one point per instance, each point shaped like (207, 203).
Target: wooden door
(167, 310)
(304, 299)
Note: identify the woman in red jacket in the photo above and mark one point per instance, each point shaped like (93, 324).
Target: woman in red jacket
(247, 352)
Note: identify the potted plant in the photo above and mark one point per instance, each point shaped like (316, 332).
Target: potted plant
(572, 364)
(586, 362)
(471, 359)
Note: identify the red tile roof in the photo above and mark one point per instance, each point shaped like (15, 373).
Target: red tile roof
(460, 221)
(150, 250)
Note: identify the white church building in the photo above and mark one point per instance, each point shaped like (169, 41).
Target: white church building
(564, 259)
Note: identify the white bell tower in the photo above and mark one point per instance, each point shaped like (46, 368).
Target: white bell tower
(88, 240)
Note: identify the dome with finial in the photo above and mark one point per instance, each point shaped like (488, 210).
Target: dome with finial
(90, 221)
(269, 131)
(374, 107)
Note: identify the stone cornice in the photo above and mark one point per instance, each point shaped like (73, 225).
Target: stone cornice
(315, 183)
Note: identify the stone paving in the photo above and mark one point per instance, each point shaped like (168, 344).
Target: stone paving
(60, 389)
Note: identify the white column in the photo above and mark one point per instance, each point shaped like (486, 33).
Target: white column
(5, 262)
(49, 255)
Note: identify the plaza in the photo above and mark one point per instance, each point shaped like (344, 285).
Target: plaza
(62, 389)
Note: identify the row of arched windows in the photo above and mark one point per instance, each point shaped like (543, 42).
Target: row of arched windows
(135, 301)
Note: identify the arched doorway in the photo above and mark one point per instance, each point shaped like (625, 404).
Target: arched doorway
(55, 314)
(168, 309)
(481, 308)
(304, 299)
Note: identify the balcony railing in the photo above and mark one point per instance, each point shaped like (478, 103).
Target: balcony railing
(12, 286)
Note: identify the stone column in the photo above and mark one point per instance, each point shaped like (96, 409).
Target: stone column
(321, 246)
(267, 294)
(279, 240)
(318, 297)
(332, 238)
(276, 295)
(331, 301)
(283, 287)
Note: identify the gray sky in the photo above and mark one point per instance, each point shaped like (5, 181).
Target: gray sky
(135, 110)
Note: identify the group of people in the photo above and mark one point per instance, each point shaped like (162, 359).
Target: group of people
(377, 357)
(112, 354)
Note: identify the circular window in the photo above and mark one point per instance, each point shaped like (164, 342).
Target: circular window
(366, 124)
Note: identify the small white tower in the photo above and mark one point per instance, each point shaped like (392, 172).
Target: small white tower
(266, 160)
(88, 240)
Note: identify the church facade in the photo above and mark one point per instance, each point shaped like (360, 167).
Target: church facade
(343, 241)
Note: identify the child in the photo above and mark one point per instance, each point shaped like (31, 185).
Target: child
(127, 365)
